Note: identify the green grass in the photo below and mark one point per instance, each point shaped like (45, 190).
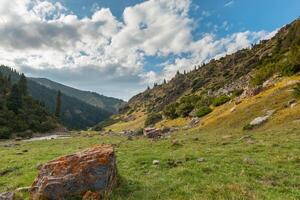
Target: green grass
(274, 148)
(223, 175)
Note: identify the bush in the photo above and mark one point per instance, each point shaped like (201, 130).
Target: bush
(152, 119)
(247, 127)
(221, 100)
(237, 93)
(184, 109)
(204, 101)
(170, 111)
(297, 90)
(4, 133)
(202, 111)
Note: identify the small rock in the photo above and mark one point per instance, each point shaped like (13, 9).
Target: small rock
(129, 137)
(249, 161)
(25, 150)
(18, 139)
(233, 109)
(23, 189)
(155, 162)
(200, 159)
(196, 139)
(19, 153)
(293, 105)
(7, 196)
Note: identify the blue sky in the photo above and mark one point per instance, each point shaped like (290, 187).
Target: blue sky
(119, 47)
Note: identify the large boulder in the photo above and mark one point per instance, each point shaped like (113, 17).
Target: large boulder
(92, 171)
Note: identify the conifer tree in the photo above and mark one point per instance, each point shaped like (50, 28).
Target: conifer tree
(23, 85)
(58, 104)
(14, 101)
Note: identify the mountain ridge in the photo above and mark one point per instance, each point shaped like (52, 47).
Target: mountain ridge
(109, 104)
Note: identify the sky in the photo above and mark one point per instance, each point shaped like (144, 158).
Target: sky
(119, 47)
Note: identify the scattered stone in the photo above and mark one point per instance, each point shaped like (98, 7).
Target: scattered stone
(249, 161)
(173, 163)
(293, 105)
(74, 175)
(194, 122)
(23, 189)
(155, 162)
(290, 102)
(200, 159)
(7, 196)
(263, 119)
(268, 83)
(250, 91)
(18, 139)
(152, 132)
(233, 109)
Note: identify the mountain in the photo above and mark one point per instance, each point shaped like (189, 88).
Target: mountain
(224, 79)
(20, 114)
(109, 104)
(75, 114)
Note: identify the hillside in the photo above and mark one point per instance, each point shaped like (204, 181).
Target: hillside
(230, 75)
(109, 104)
(75, 114)
(20, 114)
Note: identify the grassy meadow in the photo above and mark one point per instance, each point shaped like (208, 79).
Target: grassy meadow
(216, 160)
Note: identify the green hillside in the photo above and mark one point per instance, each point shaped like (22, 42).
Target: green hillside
(225, 78)
(75, 114)
(20, 114)
(109, 104)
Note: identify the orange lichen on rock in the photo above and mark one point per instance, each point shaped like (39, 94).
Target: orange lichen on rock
(74, 175)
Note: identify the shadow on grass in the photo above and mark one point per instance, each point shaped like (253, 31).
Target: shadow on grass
(125, 188)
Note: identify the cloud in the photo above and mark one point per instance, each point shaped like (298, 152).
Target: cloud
(103, 53)
(229, 4)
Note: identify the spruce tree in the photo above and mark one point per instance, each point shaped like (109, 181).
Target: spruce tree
(58, 104)
(14, 101)
(23, 85)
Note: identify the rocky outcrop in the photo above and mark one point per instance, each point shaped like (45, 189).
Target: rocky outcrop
(90, 173)
(152, 132)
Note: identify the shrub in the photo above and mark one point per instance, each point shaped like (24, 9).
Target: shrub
(4, 133)
(237, 93)
(221, 100)
(263, 74)
(153, 118)
(297, 90)
(248, 127)
(170, 111)
(204, 101)
(202, 111)
(184, 109)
